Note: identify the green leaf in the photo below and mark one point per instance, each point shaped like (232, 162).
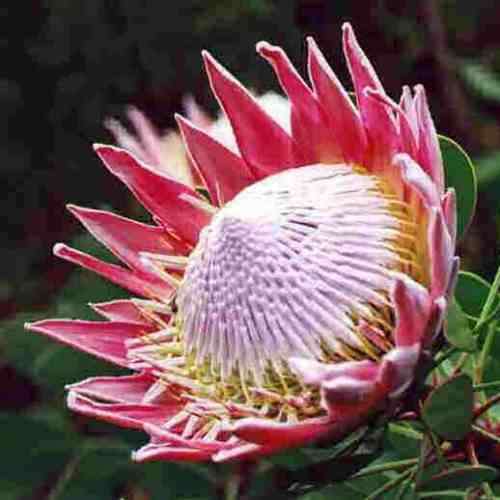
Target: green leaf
(441, 494)
(490, 354)
(297, 458)
(460, 478)
(302, 457)
(448, 409)
(457, 329)
(471, 293)
(339, 491)
(301, 479)
(359, 488)
(332, 471)
(404, 439)
(460, 174)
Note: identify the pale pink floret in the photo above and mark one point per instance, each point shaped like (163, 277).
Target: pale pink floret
(165, 151)
(392, 141)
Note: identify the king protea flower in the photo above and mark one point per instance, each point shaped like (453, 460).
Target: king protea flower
(290, 299)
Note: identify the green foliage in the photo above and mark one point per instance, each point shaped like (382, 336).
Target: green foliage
(471, 293)
(448, 409)
(403, 440)
(460, 175)
(459, 478)
(457, 329)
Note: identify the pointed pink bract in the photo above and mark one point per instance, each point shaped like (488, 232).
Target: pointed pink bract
(124, 237)
(377, 118)
(128, 389)
(121, 310)
(264, 145)
(412, 307)
(440, 252)
(143, 284)
(103, 339)
(225, 174)
(308, 124)
(341, 114)
(132, 416)
(429, 152)
(160, 194)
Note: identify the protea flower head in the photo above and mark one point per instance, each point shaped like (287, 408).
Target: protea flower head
(290, 299)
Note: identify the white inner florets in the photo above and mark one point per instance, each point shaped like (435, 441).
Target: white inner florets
(294, 265)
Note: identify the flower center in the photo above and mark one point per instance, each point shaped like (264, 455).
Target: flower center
(298, 264)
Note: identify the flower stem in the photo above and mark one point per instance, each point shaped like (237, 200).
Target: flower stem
(490, 301)
(391, 484)
(237, 479)
(65, 477)
(435, 445)
(485, 351)
(460, 364)
(487, 385)
(232, 487)
(486, 406)
(425, 447)
(472, 456)
(400, 464)
(444, 355)
(486, 433)
(403, 488)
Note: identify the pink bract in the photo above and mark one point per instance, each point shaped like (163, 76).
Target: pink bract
(289, 298)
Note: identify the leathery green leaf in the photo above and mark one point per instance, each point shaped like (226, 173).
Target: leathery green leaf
(460, 175)
(471, 293)
(459, 478)
(448, 410)
(457, 329)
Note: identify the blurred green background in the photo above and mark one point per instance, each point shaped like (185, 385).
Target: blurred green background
(70, 64)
